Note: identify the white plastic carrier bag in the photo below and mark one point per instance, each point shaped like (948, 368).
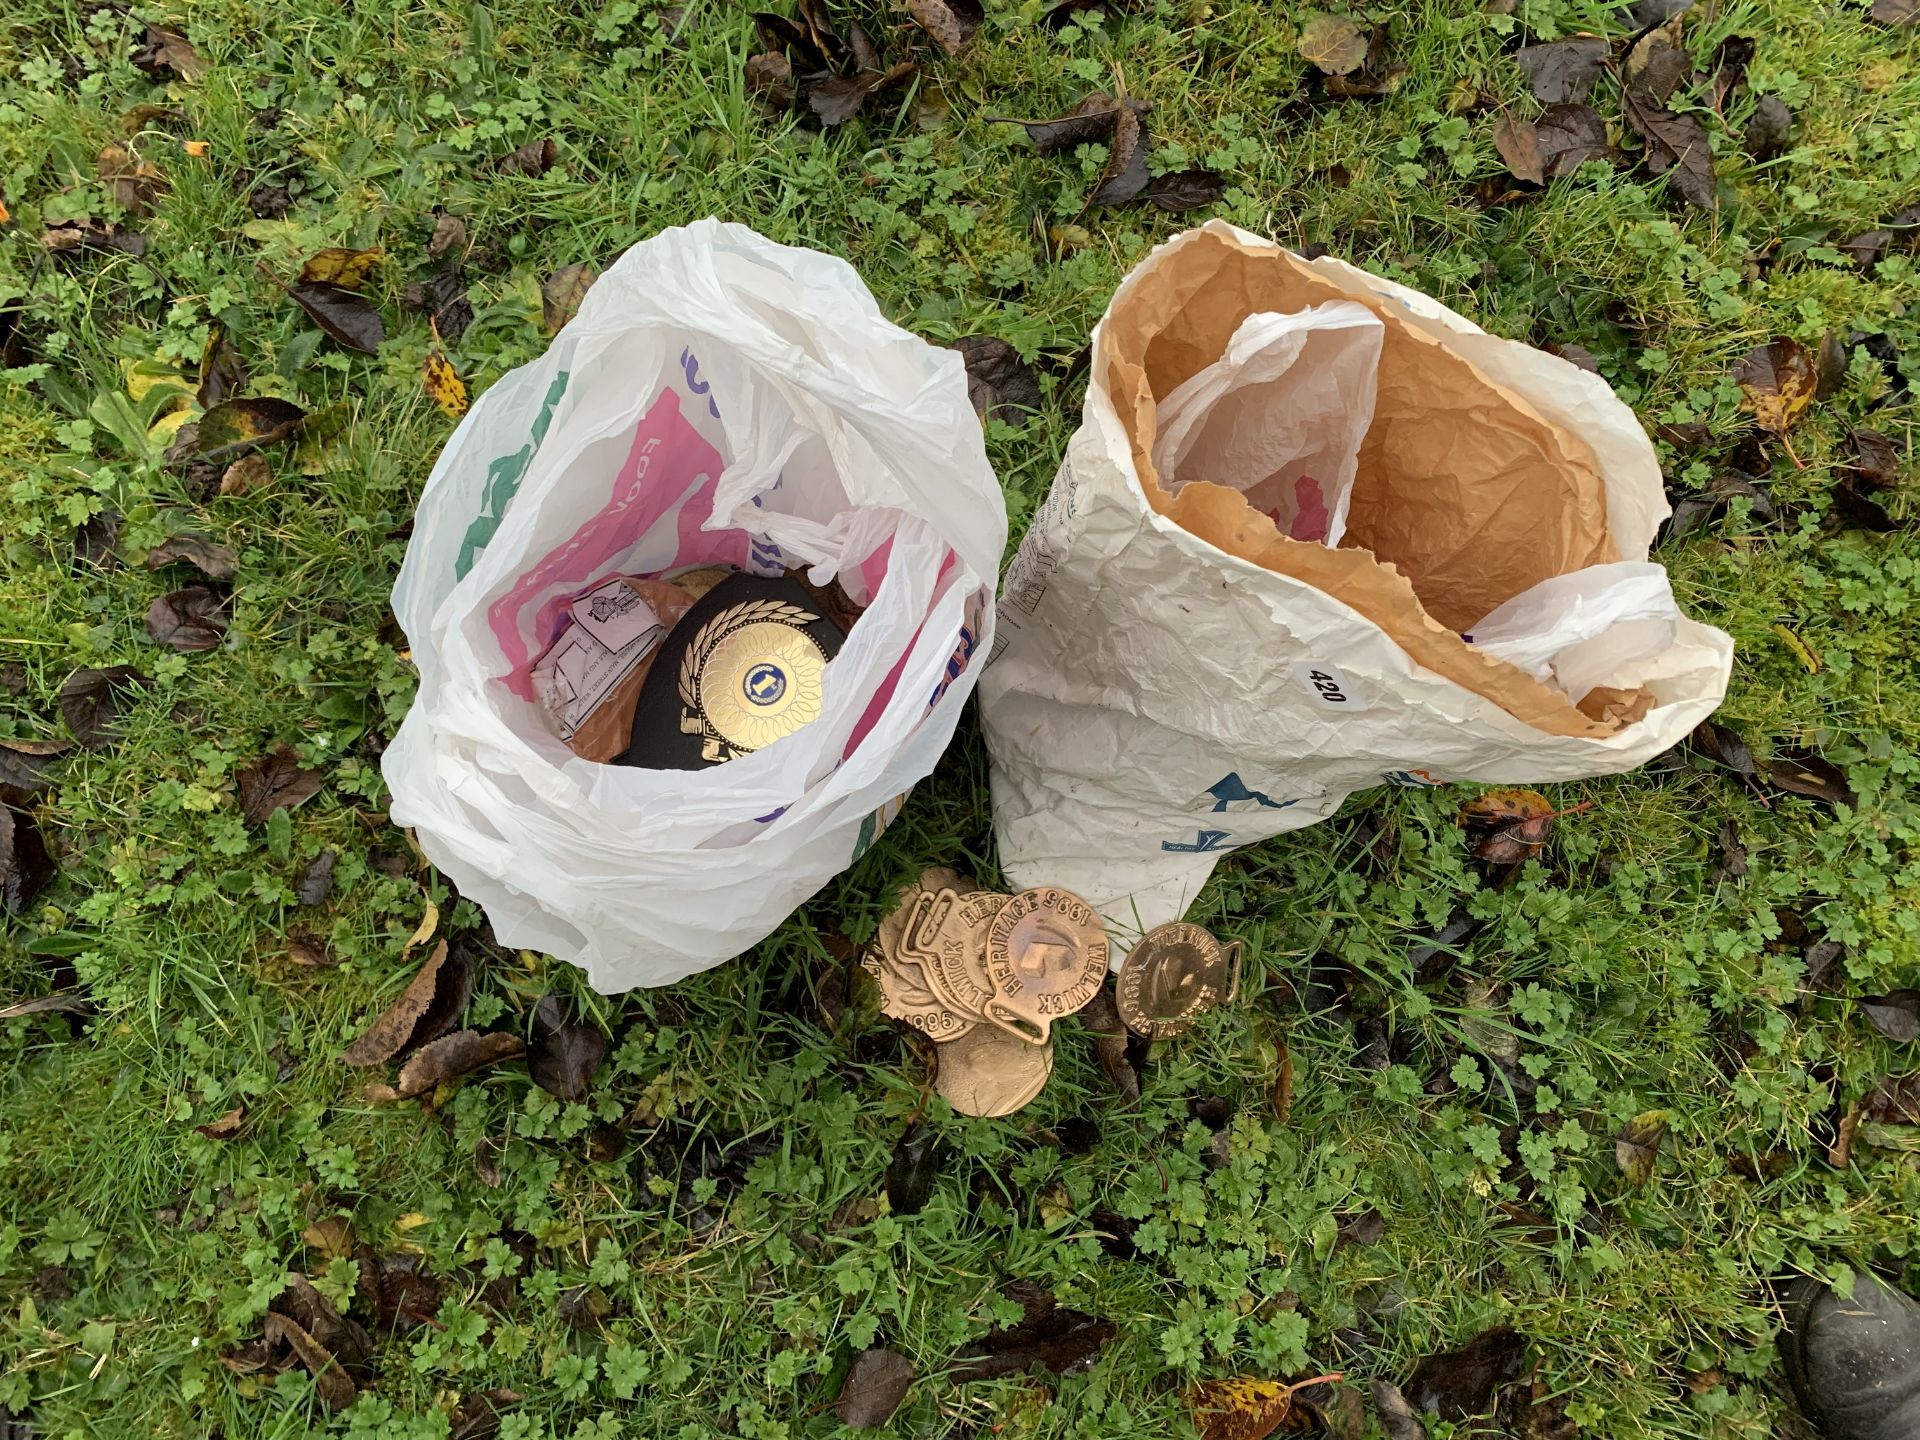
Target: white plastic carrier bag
(1198, 651)
(718, 400)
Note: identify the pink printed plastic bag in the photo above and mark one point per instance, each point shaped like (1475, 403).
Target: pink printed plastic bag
(718, 399)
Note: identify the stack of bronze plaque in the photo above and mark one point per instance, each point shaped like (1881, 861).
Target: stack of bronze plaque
(985, 976)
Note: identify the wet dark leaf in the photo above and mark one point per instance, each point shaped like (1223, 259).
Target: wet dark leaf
(1519, 148)
(1562, 72)
(403, 1293)
(317, 884)
(1124, 175)
(1733, 855)
(24, 764)
(838, 99)
(234, 427)
(226, 1126)
(1508, 826)
(1686, 436)
(819, 23)
(1855, 511)
(335, 266)
(169, 52)
(1803, 773)
(443, 296)
(1103, 1024)
(1334, 44)
(1730, 63)
(448, 1058)
(68, 1002)
(1000, 384)
(331, 1382)
(349, 318)
(1895, 1015)
(1875, 465)
(1657, 64)
(1460, 1384)
(770, 76)
(914, 1168)
(211, 559)
(1769, 129)
(25, 865)
(534, 158)
(222, 372)
(1436, 954)
(951, 23)
(874, 1388)
(424, 1011)
(273, 782)
(1183, 190)
(95, 542)
(1721, 745)
(1897, 12)
(1829, 365)
(1567, 136)
(793, 42)
(1867, 248)
(1091, 120)
(190, 619)
(583, 1307)
(1062, 1341)
(65, 236)
(1676, 147)
(134, 184)
(866, 54)
(91, 700)
(564, 1050)
(1637, 1145)
(1895, 1101)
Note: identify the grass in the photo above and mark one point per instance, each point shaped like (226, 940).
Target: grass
(1630, 976)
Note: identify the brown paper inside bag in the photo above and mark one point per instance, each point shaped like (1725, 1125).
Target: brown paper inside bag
(1465, 495)
(607, 733)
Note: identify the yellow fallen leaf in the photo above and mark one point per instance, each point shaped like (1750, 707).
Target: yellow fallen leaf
(412, 1220)
(1800, 649)
(429, 923)
(147, 375)
(163, 430)
(1244, 1408)
(5, 214)
(197, 148)
(345, 268)
(444, 386)
(1778, 381)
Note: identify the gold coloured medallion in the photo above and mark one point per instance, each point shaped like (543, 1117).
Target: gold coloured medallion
(1046, 957)
(906, 992)
(987, 1072)
(1173, 975)
(956, 952)
(751, 676)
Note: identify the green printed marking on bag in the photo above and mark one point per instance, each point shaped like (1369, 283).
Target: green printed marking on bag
(503, 483)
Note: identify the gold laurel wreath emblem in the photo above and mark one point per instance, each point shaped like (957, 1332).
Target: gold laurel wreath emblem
(723, 653)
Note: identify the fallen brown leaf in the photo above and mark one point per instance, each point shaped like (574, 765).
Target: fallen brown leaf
(1779, 382)
(448, 1058)
(1333, 43)
(25, 865)
(873, 1389)
(560, 297)
(425, 1010)
(226, 1126)
(190, 619)
(91, 701)
(273, 782)
(209, 557)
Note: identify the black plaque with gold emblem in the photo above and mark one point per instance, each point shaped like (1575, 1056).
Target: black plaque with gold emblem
(742, 669)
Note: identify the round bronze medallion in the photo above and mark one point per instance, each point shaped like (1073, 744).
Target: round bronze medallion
(1176, 973)
(1046, 957)
(987, 1072)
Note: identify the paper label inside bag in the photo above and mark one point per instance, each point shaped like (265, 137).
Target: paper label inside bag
(613, 631)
